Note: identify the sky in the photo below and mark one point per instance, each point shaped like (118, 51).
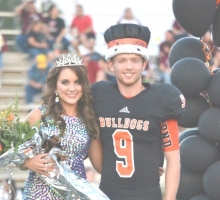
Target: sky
(156, 14)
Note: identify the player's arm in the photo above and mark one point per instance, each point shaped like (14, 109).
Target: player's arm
(172, 174)
(96, 154)
(170, 140)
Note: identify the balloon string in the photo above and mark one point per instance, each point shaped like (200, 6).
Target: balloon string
(207, 53)
(213, 48)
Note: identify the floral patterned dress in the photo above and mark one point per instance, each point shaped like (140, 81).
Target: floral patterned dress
(75, 142)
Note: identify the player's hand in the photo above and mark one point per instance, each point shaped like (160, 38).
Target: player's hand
(161, 171)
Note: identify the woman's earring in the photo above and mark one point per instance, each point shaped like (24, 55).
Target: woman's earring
(57, 99)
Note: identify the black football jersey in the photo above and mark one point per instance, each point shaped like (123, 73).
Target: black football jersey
(130, 131)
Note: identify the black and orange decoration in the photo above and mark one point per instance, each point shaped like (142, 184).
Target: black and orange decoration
(208, 56)
(132, 41)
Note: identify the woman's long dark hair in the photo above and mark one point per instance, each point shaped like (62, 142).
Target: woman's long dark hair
(84, 106)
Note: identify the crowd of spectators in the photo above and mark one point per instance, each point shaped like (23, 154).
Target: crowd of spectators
(171, 36)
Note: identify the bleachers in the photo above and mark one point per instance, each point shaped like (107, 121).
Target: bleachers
(13, 80)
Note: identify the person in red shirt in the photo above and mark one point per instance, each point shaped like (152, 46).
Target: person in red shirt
(81, 26)
(95, 73)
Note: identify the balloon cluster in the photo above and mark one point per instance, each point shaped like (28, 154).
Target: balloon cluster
(197, 16)
(190, 60)
(200, 155)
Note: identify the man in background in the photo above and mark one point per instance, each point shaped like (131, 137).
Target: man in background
(36, 78)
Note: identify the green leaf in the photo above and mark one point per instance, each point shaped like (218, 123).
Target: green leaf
(5, 142)
(29, 134)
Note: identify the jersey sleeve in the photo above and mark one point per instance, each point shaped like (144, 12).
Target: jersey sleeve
(170, 102)
(169, 135)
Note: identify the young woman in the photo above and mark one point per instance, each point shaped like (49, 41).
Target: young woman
(66, 112)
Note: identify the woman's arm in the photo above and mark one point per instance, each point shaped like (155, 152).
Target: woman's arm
(33, 117)
(96, 154)
(38, 163)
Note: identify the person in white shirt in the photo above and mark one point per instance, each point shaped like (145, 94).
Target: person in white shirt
(128, 18)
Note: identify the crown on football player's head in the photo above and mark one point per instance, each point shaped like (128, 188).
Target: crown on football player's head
(69, 61)
(127, 38)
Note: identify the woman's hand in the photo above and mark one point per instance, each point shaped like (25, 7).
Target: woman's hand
(40, 164)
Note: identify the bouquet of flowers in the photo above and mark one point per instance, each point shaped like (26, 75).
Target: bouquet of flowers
(13, 132)
(20, 141)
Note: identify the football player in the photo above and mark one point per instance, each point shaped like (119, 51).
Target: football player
(136, 120)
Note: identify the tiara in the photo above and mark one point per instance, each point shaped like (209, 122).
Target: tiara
(69, 61)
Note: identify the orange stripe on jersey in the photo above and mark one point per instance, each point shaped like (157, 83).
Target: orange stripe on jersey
(169, 134)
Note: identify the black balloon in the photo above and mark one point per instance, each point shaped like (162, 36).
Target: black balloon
(195, 16)
(195, 106)
(189, 47)
(187, 133)
(218, 148)
(214, 91)
(193, 150)
(216, 28)
(211, 181)
(190, 75)
(190, 185)
(209, 126)
(201, 197)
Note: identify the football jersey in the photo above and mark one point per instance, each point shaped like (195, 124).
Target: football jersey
(130, 131)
